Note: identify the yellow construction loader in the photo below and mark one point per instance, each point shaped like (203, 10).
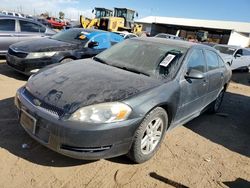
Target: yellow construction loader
(122, 20)
(94, 23)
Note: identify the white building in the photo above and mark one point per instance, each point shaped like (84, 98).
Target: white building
(224, 32)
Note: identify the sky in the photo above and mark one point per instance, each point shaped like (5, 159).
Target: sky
(231, 10)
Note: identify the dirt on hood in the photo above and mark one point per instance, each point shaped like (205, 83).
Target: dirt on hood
(84, 82)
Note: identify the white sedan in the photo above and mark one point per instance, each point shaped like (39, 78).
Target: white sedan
(237, 57)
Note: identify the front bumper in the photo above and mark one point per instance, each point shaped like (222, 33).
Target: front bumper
(75, 139)
(27, 66)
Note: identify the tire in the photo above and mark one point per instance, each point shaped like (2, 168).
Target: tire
(66, 60)
(151, 135)
(215, 105)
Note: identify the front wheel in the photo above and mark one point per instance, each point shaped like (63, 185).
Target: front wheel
(149, 136)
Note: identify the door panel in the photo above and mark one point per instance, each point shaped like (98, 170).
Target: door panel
(193, 91)
(215, 75)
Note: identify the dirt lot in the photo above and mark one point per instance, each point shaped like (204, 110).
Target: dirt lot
(210, 151)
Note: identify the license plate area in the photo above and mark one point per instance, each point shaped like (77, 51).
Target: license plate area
(28, 121)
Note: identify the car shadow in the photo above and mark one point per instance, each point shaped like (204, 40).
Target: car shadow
(14, 139)
(238, 183)
(230, 127)
(9, 72)
(241, 77)
(166, 180)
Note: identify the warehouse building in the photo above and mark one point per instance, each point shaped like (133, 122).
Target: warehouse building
(222, 32)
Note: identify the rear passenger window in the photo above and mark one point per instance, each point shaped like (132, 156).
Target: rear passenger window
(31, 27)
(7, 25)
(212, 60)
(196, 61)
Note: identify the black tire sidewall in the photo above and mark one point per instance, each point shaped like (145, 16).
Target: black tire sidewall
(135, 153)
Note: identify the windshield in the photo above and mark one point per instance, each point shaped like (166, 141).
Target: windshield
(72, 36)
(225, 49)
(144, 57)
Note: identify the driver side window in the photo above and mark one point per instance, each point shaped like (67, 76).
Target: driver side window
(196, 61)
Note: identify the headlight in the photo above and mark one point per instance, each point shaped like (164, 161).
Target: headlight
(102, 113)
(35, 55)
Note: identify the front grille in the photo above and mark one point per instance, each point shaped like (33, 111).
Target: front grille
(44, 106)
(17, 54)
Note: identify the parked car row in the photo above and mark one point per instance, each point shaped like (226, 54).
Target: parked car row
(21, 15)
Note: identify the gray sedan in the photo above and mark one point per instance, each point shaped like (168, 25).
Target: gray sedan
(15, 29)
(124, 99)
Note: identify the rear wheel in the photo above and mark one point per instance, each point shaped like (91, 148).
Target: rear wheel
(66, 60)
(215, 106)
(149, 136)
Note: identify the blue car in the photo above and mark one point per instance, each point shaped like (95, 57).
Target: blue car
(30, 56)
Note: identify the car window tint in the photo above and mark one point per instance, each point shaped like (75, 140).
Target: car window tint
(31, 27)
(240, 52)
(10, 14)
(16, 14)
(246, 52)
(7, 25)
(196, 61)
(212, 60)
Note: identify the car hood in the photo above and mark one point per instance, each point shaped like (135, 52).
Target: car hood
(85, 82)
(43, 45)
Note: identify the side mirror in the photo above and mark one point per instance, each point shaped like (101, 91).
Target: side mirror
(93, 44)
(194, 74)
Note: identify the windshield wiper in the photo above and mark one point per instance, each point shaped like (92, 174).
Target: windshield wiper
(132, 70)
(100, 60)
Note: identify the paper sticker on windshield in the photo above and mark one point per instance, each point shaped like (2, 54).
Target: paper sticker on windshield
(167, 60)
(82, 37)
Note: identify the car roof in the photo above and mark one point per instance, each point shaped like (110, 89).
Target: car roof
(17, 17)
(180, 43)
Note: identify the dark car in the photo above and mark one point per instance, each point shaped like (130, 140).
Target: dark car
(28, 57)
(123, 100)
(15, 29)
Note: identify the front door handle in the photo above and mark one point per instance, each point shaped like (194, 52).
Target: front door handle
(205, 81)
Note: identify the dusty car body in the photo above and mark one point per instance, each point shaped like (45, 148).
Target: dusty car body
(237, 57)
(15, 29)
(29, 57)
(123, 100)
